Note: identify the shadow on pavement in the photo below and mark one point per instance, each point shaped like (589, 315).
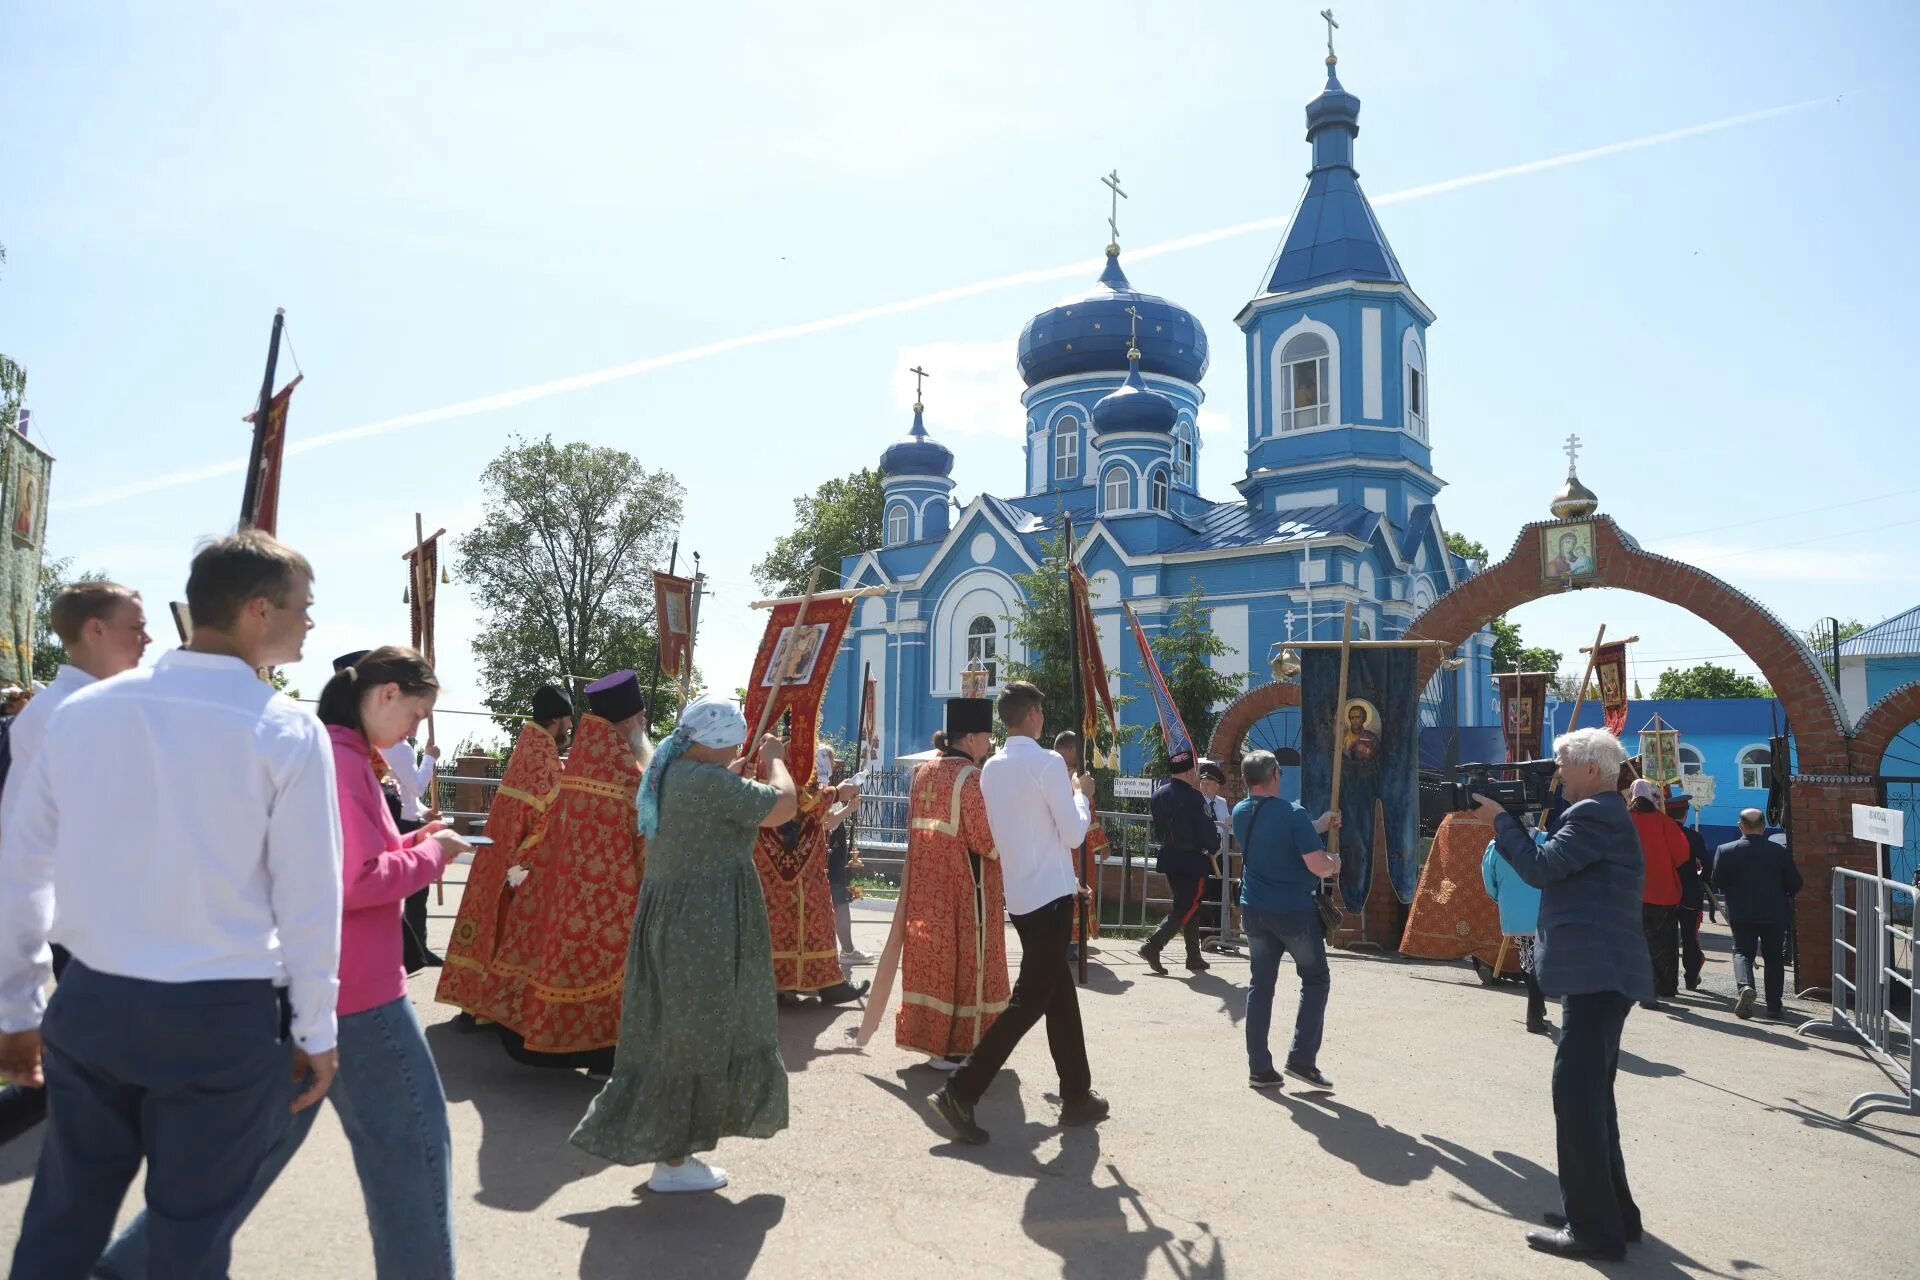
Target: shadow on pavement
(1231, 995)
(1377, 1151)
(525, 1116)
(659, 1236)
(18, 1157)
(1104, 981)
(804, 1027)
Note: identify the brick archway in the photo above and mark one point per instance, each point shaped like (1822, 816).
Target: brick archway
(1883, 722)
(1247, 710)
(1831, 767)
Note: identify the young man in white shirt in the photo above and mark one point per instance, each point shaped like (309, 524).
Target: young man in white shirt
(185, 818)
(1039, 816)
(103, 628)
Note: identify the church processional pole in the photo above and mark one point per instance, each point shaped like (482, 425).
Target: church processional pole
(1079, 725)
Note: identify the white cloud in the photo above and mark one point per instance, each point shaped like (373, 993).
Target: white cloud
(972, 388)
(1790, 564)
(1215, 425)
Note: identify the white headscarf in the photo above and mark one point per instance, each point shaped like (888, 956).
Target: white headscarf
(711, 721)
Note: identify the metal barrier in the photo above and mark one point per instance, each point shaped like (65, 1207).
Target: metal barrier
(1867, 972)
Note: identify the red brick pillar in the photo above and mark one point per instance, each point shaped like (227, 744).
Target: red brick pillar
(1821, 838)
(469, 796)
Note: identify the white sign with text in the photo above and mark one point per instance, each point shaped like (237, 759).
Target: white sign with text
(1882, 826)
(1133, 788)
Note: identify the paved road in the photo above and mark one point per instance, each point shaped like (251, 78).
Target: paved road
(1433, 1157)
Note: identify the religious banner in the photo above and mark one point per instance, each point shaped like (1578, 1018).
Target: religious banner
(790, 673)
(1610, 669)
(265, 497)
(25, 469)
(1523, 706)
(1377, 732)
(1659, 752)
(1173, 730)
(1095, 689)
(424, 564)
(673, 618)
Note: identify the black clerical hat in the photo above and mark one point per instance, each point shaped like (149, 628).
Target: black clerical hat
(968, 715)
(550, 702)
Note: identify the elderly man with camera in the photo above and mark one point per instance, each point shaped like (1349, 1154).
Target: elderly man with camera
(1592, 954)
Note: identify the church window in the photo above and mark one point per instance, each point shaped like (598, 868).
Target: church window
(1691, 761)
(1119, 490)
(1756, 768)
(899, 525)
(1159, 488)
(1066, 449)
(1183, 457)
(1305, 396)
(1416, 388)
(983, 647)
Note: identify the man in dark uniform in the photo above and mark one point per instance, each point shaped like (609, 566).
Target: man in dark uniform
(1183, 829)
(1695, 899)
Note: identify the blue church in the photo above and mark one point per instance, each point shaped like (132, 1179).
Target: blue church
(1336, 506)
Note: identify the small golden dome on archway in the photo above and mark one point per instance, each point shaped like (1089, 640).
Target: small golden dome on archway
(1574, 501)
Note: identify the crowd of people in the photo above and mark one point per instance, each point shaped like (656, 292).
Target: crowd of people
(642, 911)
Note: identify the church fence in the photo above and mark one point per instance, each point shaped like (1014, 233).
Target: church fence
(1873, 960)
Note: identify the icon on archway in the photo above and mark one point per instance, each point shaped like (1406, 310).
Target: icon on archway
(1566, 551)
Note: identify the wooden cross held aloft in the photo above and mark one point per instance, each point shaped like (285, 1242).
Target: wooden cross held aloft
(1112, 182)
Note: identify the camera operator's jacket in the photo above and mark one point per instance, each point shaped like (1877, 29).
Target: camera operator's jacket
(1590, 875)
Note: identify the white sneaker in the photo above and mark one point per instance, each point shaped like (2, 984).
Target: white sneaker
(855, 957)
(694, 1174)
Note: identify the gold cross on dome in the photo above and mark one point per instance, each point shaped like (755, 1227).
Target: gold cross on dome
(1332, 26)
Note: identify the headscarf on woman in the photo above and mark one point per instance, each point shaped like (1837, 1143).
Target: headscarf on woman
(709, 720)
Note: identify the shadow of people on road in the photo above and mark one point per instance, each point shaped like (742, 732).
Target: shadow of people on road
(1231, 995)
(1377, 1151)
(806, 1033)
(665, 1237)
(1103, 980)
(525, 1117)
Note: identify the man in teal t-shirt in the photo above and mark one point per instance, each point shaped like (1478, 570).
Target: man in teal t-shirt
(1283, 862)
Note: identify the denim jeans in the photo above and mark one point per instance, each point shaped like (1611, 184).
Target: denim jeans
(1269, 933)
(189, 1076)
(390, 1104)
(1593, 1174)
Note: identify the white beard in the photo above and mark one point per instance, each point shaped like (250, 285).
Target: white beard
(641, 745)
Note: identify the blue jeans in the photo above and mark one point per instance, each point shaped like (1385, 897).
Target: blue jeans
(190, 1077)
(390, 1104)
(1269, 934)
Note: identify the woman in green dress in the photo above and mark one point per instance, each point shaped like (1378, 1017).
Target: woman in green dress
(699, 1052)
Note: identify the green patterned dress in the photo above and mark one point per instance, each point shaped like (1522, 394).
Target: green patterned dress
(699, 1053)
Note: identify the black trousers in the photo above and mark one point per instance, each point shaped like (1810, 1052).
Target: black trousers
(1536, 999)
(1044, 989)
(1184, 918)
(1769, 942)
(413, 918)
(1593, 1174)
(21, 1107)
(1661, 924)
(1694, 957)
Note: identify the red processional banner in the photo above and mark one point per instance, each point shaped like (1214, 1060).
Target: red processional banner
(273, 447)
(673, 620)
(1523, 703)
(1610, 669)
(790, 673)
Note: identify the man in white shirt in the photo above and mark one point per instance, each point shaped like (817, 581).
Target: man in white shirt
(185, 818)
(1039, 816)
(413, 775)
(103, 628)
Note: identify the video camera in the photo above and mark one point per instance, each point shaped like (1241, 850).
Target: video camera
(1520, 787)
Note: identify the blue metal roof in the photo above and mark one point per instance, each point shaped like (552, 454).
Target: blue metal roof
(1236, 524)
(1089, 334)
(1015, 518)
(1134, 407)
(917, 455)
(1334, 235)
(1897, 637)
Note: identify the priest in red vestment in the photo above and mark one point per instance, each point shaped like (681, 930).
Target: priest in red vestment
(560, 965)
(953, 947)
(792, 862)
(516, 823)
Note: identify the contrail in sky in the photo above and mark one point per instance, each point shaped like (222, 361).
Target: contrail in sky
(1073, 270)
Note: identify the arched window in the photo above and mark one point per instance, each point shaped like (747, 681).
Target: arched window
(1691, 761)
(1756, 768)
(1183, 456)
(1119, 490)
(1066, 448)
(1159, 488)
(1416, 389)
(899, 524)
(1305, 395)
(983, 647)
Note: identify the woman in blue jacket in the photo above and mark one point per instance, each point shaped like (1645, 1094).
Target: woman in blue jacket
(1519, 915)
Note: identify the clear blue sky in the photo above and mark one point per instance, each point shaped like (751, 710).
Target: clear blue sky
(453, 201)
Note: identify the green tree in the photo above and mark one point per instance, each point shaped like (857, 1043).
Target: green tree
(1185, 649)
(560, 568)
(1040, 629)
(841, 518)
(1819, 636)
(1510, 653)
(1466, 548)
(1708, 681)
(49, 655)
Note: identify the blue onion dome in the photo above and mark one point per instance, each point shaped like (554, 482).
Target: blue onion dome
(1088, 334)
(1134, 407)
(917, 455)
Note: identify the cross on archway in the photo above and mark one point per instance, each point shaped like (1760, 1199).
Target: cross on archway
(1572, 450)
